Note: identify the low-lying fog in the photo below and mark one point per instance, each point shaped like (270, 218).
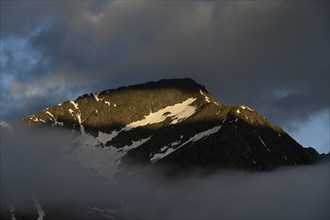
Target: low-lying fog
(33, 165)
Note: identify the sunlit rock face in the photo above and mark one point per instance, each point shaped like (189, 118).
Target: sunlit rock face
(175, 123)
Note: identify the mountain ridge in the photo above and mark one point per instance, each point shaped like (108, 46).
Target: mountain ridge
(175, 122)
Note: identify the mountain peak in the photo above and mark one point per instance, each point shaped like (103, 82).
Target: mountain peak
(175, 122)
(118, 107)
(185, 85)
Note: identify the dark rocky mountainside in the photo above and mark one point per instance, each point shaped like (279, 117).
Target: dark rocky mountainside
(174, 122)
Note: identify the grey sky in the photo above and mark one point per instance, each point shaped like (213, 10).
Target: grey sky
(271, 55)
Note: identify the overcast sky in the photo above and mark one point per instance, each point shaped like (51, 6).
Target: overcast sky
(270, 55)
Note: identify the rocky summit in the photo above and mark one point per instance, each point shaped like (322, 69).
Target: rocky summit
(174, 122)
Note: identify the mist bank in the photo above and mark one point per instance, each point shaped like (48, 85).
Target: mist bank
(35, 166)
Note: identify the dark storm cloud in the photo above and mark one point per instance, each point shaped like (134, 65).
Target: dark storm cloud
(43, 170)
(271, 55)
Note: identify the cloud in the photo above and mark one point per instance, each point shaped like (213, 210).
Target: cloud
(244, 52)
(34, 165)
(233, 195)
(306, 133)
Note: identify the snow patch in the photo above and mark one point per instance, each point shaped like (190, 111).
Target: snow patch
(78, 115)
(196, 137)
(107, 103)
(82, 129)
(178, 112)
(175, 143)
(54, 119)
(163, 148)
(51, 115)
(35, 119)
(58, 123)
(104, 160)
(246, 107)
(104, 137)
(75, 105)
(161, 155)
(207, 99)
(96, 96)
(238, 111)
(203, 134)
(263, 143)
(135, 144)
